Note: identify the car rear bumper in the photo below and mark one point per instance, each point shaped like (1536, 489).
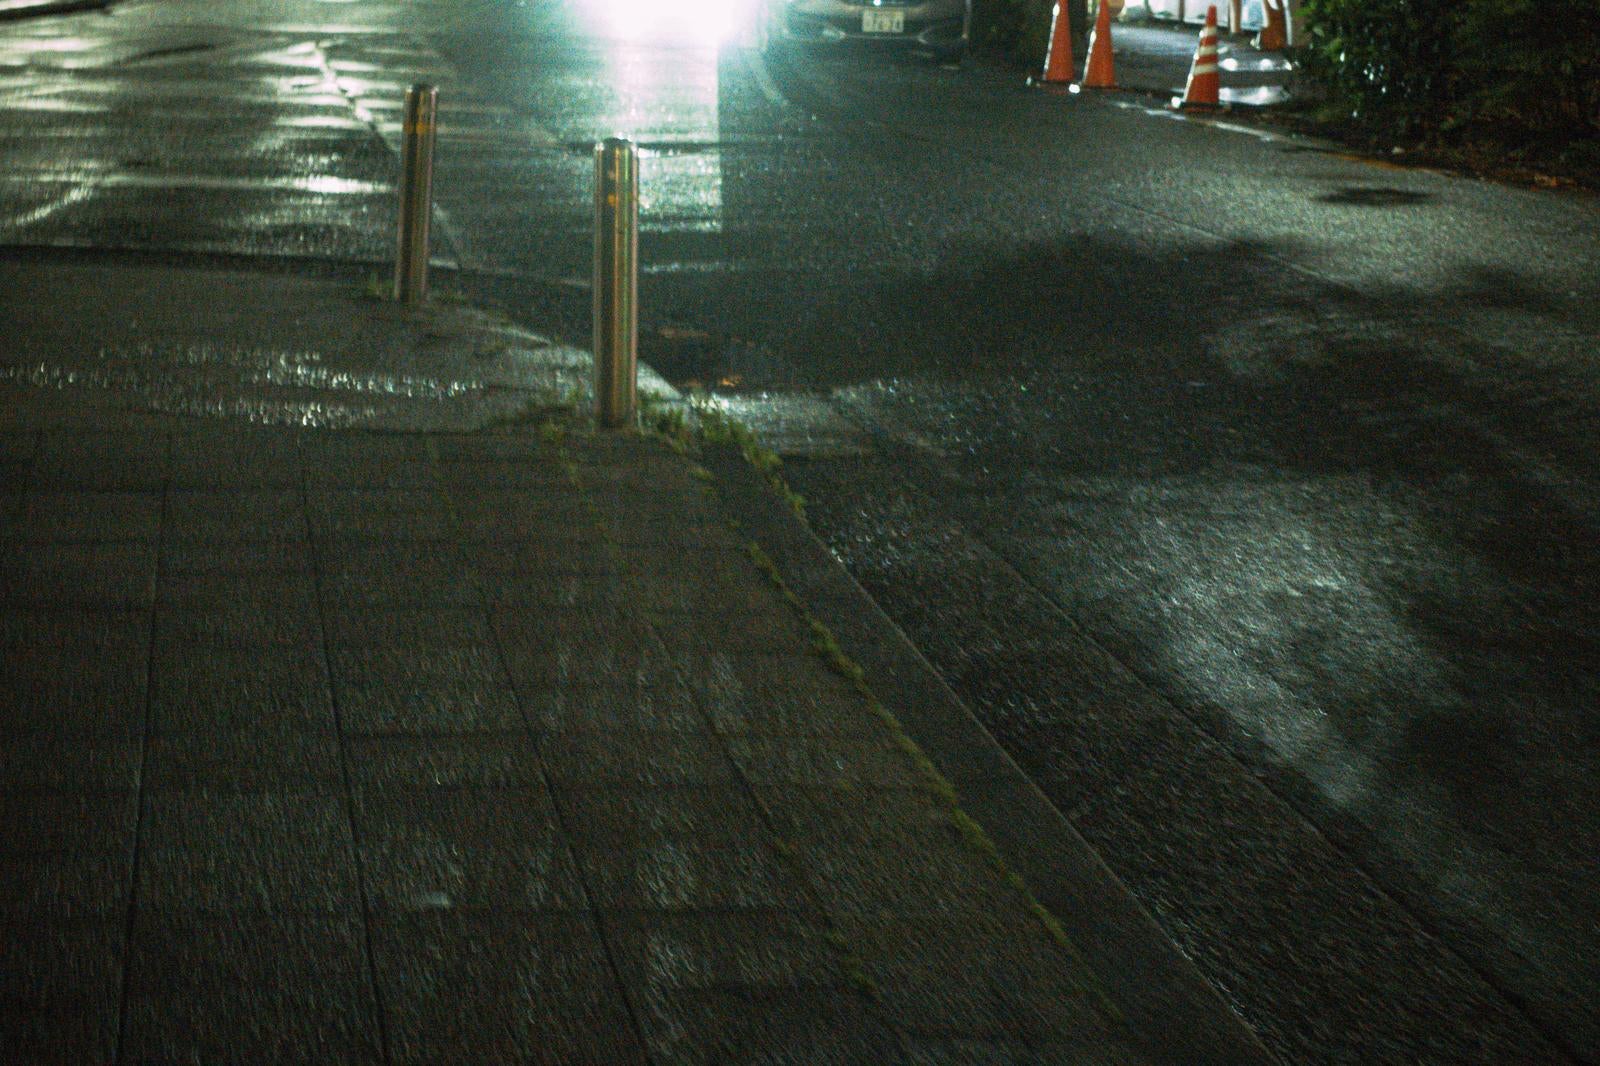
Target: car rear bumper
(927, 25)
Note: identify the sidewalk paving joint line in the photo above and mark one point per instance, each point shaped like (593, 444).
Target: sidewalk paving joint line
(347, 778)
(563, 816)
(851, 965)
(125, 992)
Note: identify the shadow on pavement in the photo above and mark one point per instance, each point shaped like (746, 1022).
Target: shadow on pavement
(1354, 541)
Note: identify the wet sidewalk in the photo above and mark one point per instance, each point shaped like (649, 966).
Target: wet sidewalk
(463, 749)
(413, 723)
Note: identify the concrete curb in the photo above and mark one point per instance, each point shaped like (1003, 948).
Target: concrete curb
(1179, 1017)
(22, 9)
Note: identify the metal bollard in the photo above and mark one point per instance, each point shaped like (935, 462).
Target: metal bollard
(616, 280)
(416, 194)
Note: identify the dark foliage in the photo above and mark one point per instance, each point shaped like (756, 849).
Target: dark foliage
(1021, 28)
(1520, 70)
(1533, 64)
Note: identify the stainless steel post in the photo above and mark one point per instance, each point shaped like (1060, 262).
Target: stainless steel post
(616, 280)
(416, 194)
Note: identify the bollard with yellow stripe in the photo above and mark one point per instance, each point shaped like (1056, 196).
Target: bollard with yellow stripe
(416, 194)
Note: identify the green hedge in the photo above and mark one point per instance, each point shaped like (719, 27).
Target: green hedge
(1021, 28)
(1422, 68)
(1533, 64)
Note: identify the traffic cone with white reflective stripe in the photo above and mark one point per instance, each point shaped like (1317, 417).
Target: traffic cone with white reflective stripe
(1274, 36)
(1058, 61)
(1204, 88)
(1097, 69)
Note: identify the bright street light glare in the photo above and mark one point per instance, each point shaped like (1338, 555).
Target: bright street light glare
(698, 21)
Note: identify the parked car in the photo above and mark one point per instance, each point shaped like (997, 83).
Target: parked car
(1194, 11)
(942, 27)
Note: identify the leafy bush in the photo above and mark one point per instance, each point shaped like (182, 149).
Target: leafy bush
(1390, 63)
(997, 22)
(1418, 68)
(1021, 27)
(1533, 64)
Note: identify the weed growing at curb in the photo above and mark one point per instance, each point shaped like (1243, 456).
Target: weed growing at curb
(855, 971)
(971, 832)
(545, 407)
(452, 297)
(667, 421)
(670, 425)
(377, 289)
(553, 434)
(718, 427)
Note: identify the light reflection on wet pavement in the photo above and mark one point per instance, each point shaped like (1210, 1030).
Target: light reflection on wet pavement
(324, 352)
(320, 117)
(1212, 425)
(301, 388)
(242, 142)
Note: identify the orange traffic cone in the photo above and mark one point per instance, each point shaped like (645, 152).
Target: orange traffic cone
(1204, 88)
(1058, 61)
(1274, 37)
(1097, 70)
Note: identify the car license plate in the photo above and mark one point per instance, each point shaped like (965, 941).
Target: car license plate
(873, 21)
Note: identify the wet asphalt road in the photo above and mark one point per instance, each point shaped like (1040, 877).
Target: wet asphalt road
(1246, 492)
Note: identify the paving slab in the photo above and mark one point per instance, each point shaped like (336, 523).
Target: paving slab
(473, 760)
(408, 743)
(465, 848)
(246, 758)
(209, 690)
(249, 988)
(73, 692)
(493, 987)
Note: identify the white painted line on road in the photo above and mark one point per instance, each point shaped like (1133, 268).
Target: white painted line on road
(30, 218)
(1216, 123)
(321, 184)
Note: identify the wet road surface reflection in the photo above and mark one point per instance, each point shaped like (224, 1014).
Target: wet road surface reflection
(1248, 496)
